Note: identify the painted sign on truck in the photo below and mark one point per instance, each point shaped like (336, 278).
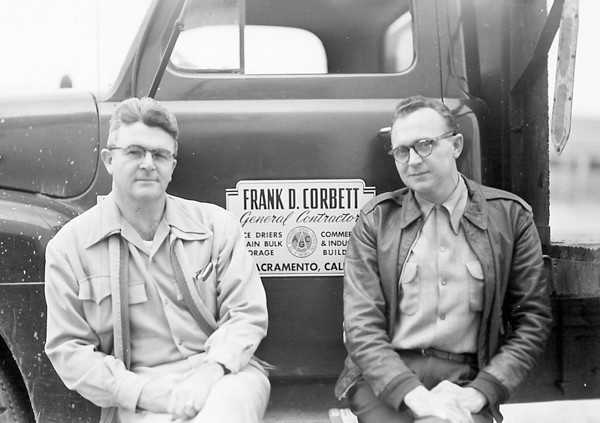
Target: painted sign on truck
(298, 227)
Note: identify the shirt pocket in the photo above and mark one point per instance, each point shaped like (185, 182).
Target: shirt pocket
(475, 286)
(137, 293)
(94, 288)
(409, 289)
(95, 294)
(206, 283)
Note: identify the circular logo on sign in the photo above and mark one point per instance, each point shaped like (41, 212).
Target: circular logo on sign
(301, 241)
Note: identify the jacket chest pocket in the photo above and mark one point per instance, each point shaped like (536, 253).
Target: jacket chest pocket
(96, 299)
(409, 289)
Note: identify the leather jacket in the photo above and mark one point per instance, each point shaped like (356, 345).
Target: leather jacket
(516, 318)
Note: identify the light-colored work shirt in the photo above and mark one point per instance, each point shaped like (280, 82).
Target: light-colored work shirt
(441, 283)
(164, 335)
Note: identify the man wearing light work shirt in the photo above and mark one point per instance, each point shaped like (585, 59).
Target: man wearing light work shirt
(445, 306)
(155, 308)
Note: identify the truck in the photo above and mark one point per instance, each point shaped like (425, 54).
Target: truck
(284, 108)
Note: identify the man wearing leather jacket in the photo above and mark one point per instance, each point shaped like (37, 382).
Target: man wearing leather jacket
(445, 306)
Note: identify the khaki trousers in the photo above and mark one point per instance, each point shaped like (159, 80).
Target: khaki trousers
(239, 398)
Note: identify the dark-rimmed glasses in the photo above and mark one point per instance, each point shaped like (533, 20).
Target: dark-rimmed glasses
(422, 147)
(137, 152)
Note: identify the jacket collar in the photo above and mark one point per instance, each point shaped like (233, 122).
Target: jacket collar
(475, 212)
(410, 210)
(110, 221)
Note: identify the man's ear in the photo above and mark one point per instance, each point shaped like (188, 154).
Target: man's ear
(174, 164)
(107, 159)
(457, 143)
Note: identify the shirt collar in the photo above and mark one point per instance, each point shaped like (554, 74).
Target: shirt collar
(455, 204)
(182, 224)
(176, 217)
(108, 220)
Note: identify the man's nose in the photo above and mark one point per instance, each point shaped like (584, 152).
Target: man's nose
(147, 161)
(413, 157)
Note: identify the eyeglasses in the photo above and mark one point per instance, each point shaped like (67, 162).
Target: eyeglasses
(138, 153)
(422, 147)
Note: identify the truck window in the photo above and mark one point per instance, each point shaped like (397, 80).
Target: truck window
(308, 37)
(398, 45)
(267, 50)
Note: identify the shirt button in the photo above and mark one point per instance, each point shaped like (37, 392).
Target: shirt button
(442, 316)
(180, 342)
(442, 249)
(444, 283)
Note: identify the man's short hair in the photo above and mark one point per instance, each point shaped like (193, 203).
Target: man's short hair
(147, 111)
(412, 104)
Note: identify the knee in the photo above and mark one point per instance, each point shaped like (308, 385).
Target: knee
(241, 397)
(247, 385)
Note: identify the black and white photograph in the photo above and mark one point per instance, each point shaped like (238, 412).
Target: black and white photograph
(299, 211)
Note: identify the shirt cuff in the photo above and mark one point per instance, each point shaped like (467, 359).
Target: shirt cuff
(226, 371)
(225, 357)
(129, 389)
(232, 357)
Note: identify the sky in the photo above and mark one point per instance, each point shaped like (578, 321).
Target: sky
(42, 40)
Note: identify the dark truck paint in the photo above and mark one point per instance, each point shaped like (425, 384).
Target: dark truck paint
(49, 143)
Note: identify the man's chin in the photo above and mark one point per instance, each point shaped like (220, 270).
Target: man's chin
(148, 196)
(418, 183)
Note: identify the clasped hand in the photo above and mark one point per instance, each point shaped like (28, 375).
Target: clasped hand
(182, 397)
(447, 401)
